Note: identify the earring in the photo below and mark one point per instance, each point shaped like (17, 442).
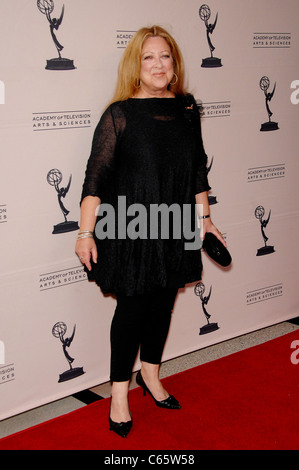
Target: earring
(176, 80)
(138, 84)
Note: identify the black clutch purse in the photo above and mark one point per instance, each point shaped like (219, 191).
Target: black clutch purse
(216, 250)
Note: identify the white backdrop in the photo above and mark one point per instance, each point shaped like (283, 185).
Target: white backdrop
(47, 119)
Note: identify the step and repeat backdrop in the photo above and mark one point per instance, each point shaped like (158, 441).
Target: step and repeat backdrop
(58, 68)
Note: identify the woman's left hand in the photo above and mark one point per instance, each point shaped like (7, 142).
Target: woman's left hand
(206, 225)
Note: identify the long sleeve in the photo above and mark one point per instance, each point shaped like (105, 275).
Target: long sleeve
(201, 183)
(101, 163)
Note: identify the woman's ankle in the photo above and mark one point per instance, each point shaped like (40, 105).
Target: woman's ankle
(150, 375)
(119, 405)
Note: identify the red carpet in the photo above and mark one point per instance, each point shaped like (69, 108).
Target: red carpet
(248, 400)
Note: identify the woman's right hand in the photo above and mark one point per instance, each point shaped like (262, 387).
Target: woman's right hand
(86, 250)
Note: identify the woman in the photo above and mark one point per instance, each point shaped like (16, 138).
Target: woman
(147, 149)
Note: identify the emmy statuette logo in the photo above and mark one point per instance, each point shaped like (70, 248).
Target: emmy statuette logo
(264, 86)
(205, 14)
(259, 214)
(199, 290)
(58, 331)
(54, 178)
(46, 7)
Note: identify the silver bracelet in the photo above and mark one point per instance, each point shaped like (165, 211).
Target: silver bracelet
(84, 234)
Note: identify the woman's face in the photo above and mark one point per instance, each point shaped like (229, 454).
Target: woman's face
(156, 68)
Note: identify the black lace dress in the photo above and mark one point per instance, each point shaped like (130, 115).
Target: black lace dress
(146, 152)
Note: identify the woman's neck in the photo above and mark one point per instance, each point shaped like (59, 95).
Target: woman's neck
(159, 94)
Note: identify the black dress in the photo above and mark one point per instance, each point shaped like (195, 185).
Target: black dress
(147, 152)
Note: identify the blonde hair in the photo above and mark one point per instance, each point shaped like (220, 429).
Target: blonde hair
(129, 68)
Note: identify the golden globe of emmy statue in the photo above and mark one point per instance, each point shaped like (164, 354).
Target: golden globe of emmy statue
(46, 7)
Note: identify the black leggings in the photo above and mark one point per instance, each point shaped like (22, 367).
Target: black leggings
(140, 320)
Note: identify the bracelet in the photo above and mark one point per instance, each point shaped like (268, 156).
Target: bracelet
(204, 216)
(81, 237)
(84, 234)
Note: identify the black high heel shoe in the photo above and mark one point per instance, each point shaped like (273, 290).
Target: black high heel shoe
(122, 429)
(170, 403)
